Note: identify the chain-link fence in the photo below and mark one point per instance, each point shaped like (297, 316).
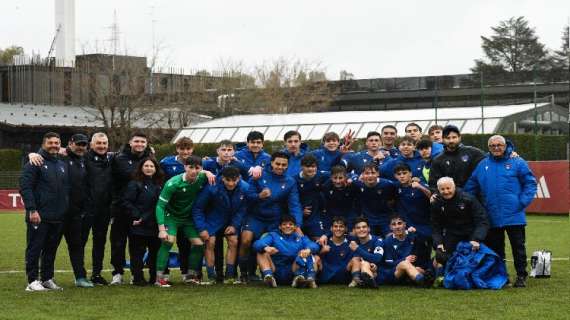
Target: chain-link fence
(9, 179)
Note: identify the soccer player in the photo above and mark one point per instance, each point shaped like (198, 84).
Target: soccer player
(270, 197)
(408, 155)
(400, 261)
(369, 249)
(286, 257)
(355, 162)
(331, 151)
(435, 133)
(296, 149)
(45, 192)
(226, 157)
(140, 200)
(338, 264)
(310, 183)
(219, 211)
(389, 135)
(424, 149)
(253, 156)
(414, 131)
(173, 211)
(374, 200)
(338, 196)
(412, 204)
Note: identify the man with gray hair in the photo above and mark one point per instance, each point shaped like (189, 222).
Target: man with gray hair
(455, 216)
(506, 186)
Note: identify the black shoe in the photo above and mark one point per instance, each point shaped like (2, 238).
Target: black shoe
(139, 283)
(98, 280)
(429, 279)
(520, 282)
(368, 281)
(243, 279)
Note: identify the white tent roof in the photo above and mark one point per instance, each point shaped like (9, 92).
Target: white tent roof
(312, 126)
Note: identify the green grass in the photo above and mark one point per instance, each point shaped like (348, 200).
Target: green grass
(543, 298)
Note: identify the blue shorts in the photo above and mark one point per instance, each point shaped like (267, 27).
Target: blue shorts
(340, 276)
(314, 229)
(283, 275)
(386, 276)
(259, 227)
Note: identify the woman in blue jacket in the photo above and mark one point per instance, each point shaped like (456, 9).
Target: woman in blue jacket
(140, 200)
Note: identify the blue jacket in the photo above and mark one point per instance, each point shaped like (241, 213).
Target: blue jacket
(374, 202)
(326, 159)
(249, 160)
(339, 202)
(217, 207)
(396, 251)
(284, 197)
(414, 206)
(506, 186)
(140, 201)
(46, 188)
(288, 246)
(468, 269)
(394, 152)
(171, 167)
(310, 196)
(215, 167)
(355, 162)
(371, 251)
(436, 149)
(294, 164)
(415, 163)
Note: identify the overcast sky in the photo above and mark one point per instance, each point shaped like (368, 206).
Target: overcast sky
(370, 39)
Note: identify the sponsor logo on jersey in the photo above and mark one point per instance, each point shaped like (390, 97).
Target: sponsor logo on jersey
(465, 158)
(508, 166)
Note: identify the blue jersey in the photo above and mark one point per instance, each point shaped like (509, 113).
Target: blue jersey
(413, 205)
(336, 260)
(393, 152)
(326, 159)
(396, 251)
(171, 166)
(250, 160)
(374, 202)
(372, 250)
(288, 246)
(415, 163)
(310, 196)
(294, 164)
(355, 162)
(339, 202)
(215, 167)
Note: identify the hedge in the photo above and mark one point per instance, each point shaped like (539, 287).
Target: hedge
(547, 148)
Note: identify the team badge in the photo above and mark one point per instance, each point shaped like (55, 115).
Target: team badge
(70, 163)
(96, 158)
(341, 254)
(173, 168)
(146, 187)
(241, 197)
(331, 192)
(301, 185)
(379, 191)
(465, 158)
(130, 161)
(283, 186)
(486, 168)
(447, 162)
(461, 206)
(45, 166)
(183, 189)
(508, 166)
(395, 247)
(62, 169)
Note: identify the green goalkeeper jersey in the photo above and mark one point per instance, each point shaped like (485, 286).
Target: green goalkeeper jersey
(177, 197)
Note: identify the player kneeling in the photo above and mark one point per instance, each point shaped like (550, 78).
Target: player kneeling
(400, 262)
(369, 249)
(285, 257)
(338, 263)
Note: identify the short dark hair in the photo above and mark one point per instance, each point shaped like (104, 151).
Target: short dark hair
(308, 160)
(193, 161)
(287, 218)
(290, 134)
(397, 216)
(434, 127)
(372, 133)
(184, 143)
(413, 124)
(389, 126)
(424, 144)
(338, 219)
(138, 134)
(230, 172)
(450, 128)
(372, 166)
(407, 139)
(330, 136)
(361, 219)
(50, 135)
(254, 135)
(226, 142)
(157, 177)
(279, 154)
(338, 170)
(402, 167)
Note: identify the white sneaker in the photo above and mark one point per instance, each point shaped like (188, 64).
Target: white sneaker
(51, 285)
(117, 279)
(35, 286)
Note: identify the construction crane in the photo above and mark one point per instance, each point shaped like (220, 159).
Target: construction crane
(52, 47)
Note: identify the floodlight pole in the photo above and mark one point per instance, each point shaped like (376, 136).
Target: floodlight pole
(535, 114)
(482, 103)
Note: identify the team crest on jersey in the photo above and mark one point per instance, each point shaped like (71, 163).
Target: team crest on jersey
(283, 186)
(461, 206)
(399, 190)
(146, 187)
(130, 161)
(486, 168)
(96, 158)
(508, 166)
(447, 162)
(379, 191)
(45, 166)
(465, 158)
(183, 189)
(331, 192)
(62, 169)
(174, 168)
(364, 160)
(302, 184)
(70, 163)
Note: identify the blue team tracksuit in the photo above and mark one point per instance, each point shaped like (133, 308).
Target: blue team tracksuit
(334, 263)
(315, 224)
(373, 203)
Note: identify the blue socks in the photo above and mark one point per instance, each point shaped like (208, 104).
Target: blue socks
(267, 272)
(230, 270)
(419, 278)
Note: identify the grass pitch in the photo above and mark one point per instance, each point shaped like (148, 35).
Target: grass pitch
(542, 299)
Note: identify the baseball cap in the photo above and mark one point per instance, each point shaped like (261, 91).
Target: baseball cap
(450, 128)
(79, 138)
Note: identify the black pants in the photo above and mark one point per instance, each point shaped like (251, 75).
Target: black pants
(99, 225)
(41, 243)
(517, 237)
(138, 245)
(423, 246)
(219, 255)
(450, 242)
(119, 235)
(72, 231)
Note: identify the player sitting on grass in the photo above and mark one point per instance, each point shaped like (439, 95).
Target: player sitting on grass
(400, 261)
(174, 211)
(221, 207)
(338, 264)
(285, 257)
(369, 248)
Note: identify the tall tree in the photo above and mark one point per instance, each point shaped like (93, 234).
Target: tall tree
(561, 57)
(513, 47)
(7, 54)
